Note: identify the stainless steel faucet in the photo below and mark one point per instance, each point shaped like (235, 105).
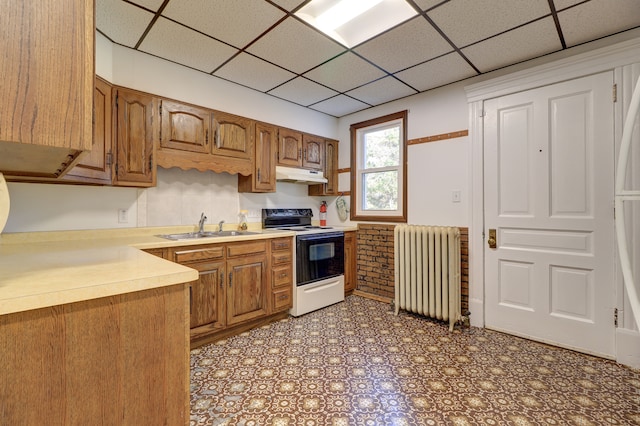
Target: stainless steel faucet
(203, 219)
(220, 225)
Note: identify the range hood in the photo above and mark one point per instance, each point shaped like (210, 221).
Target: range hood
(303, 176)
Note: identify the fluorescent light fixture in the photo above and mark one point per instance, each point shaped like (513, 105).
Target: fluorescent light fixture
(351, 22)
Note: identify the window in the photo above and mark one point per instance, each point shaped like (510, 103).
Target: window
(378, 169)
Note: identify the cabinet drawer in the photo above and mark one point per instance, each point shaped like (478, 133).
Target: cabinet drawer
(241, 249)
(281, 257)
(281, 244)
(281, 276)
(192, 255)
(281, 299)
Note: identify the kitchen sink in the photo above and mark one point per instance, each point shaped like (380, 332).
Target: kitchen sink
(208, 234)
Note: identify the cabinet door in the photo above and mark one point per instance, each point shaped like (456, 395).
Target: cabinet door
(289, 148)
(136, 130)
(266, 147)
(46, 94)
(312, 152)
(184, 127)
(330, 171)
(207, 295)
(246, 288)
(95, 166)
(233, 136)
(349, 262)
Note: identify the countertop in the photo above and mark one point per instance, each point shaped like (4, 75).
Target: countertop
(42, 269)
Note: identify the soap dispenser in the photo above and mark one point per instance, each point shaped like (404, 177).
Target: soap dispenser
(242, 220)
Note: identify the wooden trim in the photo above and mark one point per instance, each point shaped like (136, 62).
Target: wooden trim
(382, 299)
(344, 193)
(441, 137)
(345, 170)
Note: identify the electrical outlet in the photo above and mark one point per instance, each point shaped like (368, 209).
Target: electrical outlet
(456, 196)
(123, 216)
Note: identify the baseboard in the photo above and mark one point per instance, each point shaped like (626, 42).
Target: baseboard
(628, 347)
(372, 296)
(476, 307)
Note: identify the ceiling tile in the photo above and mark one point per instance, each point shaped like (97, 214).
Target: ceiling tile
(427, 4)
(469, 21)
(339, 105)
(121, 22)
(302, 91)
(409, 44)
(153, 5)
(289, 4)
(598, 18)
(236, 22)
(345, 72)
(563, 4)
(438, 72)
(179, 44)
(253, 72)
(515, 46)
(295, 46)
(381, 91)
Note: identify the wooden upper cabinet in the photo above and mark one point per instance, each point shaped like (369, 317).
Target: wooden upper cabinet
(289, 148)
(184, 127)
(330, 171)
(96, 165)
(263, 178)
(136, 131)
(46, 95)
(233, 136)
(312, 152)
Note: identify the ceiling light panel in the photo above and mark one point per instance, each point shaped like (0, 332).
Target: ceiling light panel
(351, 22)
(236, 22)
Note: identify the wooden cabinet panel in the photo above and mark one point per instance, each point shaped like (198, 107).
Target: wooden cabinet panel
(289, 148)
(136, 131)
(85, 363)
(207, 295)
(233, 136)
(281, 244)
(246, 290)
(330, 171)
(184, 127)
(281, 300)
(160, 252)
(312, 152)
(281, 275)
(244, 248)
(350, 282)
(263, 178)
(96, 165)
(198, 253)
(46, 95)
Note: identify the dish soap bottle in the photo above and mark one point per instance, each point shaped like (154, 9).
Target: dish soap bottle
(242, 220)
(323, 214)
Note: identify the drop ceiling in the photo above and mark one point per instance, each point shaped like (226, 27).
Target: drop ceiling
(262, 45)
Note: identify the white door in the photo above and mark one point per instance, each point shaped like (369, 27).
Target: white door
(549, 196)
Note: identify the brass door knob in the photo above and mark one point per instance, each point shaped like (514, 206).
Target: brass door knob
(492, 239)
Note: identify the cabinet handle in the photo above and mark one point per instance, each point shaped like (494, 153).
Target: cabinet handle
(283, 275)
(283, 297)
(299, 153)
(221, 280)
(206, 137)
(151, 162)
(304, 154)
(258, 174)
(218, 135)
(230, 279)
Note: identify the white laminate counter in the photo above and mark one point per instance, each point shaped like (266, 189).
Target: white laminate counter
(43, 269)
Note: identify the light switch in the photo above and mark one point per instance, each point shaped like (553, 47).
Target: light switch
(456, 196)
(123, 216)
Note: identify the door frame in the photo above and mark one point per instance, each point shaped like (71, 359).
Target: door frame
(600, 59)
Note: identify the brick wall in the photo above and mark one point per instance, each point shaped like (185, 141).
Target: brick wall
(375, 268)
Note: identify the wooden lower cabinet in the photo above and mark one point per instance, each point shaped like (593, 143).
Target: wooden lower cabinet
(118, 360)
(350, 282)
(235, 290)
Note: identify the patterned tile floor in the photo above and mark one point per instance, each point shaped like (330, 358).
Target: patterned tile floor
(355, 363)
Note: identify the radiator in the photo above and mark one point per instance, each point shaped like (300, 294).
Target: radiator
(427, 271)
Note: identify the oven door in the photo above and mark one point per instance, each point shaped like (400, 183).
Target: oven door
(319, 256)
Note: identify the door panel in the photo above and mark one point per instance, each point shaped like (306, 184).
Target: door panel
(549, 194)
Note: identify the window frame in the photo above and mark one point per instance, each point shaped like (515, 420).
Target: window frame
(356, 212)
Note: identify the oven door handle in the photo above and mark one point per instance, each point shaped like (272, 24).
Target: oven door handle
(319, 287)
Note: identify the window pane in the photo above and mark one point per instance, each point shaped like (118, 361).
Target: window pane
(382, 148)
(380, 191)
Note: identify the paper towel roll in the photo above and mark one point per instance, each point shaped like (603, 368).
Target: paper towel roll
(4, 202)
